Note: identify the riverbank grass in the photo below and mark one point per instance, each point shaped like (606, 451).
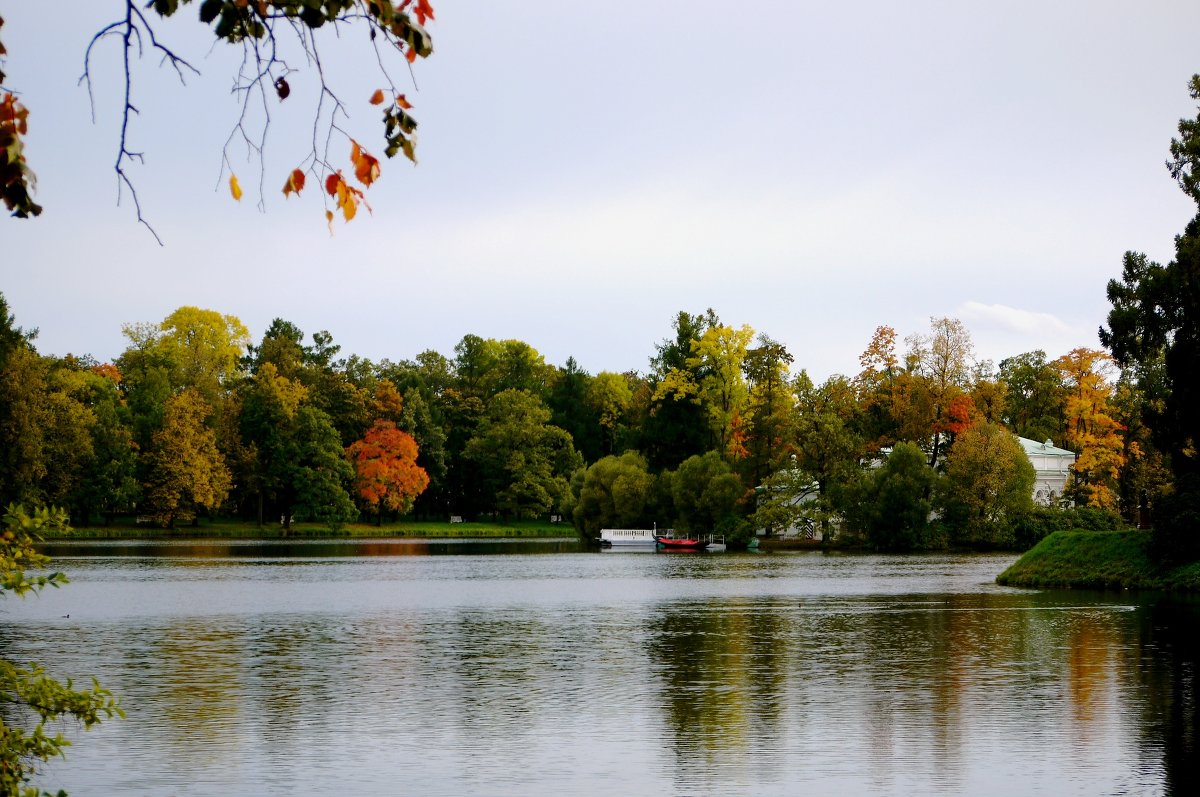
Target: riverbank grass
(1098, 560)
(232, 529)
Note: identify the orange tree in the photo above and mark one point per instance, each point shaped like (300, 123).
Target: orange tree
(386, 473)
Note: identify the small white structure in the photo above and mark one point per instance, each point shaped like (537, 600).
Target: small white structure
(1053, 467)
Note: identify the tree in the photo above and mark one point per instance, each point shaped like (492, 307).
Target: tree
(944, 358)
(769, 407)
(896, 500)
(271, 34)
(1154, 330)
(1035, 402)
(609, 397)
(523, 460)
(296, 457)
(706, 494)
(987, 484)
(615, 492)
(34, 703)
(386, 474)
(185, 471)
(674, 427)
(1091, 429)
(827, 447)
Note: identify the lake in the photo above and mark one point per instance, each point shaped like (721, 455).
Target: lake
(518, 668)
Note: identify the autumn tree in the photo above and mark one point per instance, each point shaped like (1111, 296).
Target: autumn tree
(186, 473)
(1091, 429)
(609, 397)
(944, 360)
(386, 474)
(273, 36)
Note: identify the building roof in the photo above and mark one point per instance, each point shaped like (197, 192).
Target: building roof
(1033, 447)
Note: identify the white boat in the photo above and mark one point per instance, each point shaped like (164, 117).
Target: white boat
(629, 538)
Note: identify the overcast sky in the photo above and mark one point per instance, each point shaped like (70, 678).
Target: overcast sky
(588, 170)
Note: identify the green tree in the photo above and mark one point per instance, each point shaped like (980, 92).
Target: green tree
(827, 447)
(523, 459)
(614, 492)
(609, 397)
(1035, 404)
(707, 494)
(1155, 318)
(35, 704)
(769, 408)
(896, 499)
(988, 483)
(675, 425)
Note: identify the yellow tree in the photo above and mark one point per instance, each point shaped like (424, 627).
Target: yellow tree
(718, 357)
(185, 471)
(1092, 431)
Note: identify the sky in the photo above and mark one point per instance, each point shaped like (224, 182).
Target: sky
(586, 172)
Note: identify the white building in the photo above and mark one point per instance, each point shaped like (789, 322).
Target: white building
(1053, 466)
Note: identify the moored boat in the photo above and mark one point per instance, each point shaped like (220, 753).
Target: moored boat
(681, 543)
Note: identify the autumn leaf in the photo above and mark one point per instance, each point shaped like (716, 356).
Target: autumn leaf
(403, 102)
(295, 182)
(423, 11)
(234, 188)
(329, 220)
(366, 165)
(377, 97)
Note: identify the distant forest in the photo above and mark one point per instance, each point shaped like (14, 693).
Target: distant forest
(195, 418)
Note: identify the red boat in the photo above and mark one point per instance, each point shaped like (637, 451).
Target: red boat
(681, 544)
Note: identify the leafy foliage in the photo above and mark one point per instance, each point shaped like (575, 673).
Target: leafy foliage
(988, 482)
(33, 702)
(386, 473)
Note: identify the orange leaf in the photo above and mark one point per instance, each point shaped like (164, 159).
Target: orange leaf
(332, 182)
(295, 182)
(411, 55)
(423, 11)
(366, 165)
(402, 102)
(329, 220)
(349, 208)
(234, 188)
(377, 97)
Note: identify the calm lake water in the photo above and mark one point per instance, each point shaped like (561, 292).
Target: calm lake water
(391, 667)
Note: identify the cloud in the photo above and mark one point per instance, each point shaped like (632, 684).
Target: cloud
(1014, 319)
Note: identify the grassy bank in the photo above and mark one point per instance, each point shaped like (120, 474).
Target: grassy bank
(1098, 560)
(228, 529)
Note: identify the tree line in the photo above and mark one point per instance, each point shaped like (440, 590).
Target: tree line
(195, 418)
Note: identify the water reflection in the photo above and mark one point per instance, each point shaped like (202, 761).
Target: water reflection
(594, 674)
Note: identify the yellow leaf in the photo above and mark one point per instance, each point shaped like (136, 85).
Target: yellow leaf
(329, 220)
(349, 208)
(234, 188)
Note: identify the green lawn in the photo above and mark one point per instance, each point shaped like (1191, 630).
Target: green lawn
(1098, 560)
(232, 529)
